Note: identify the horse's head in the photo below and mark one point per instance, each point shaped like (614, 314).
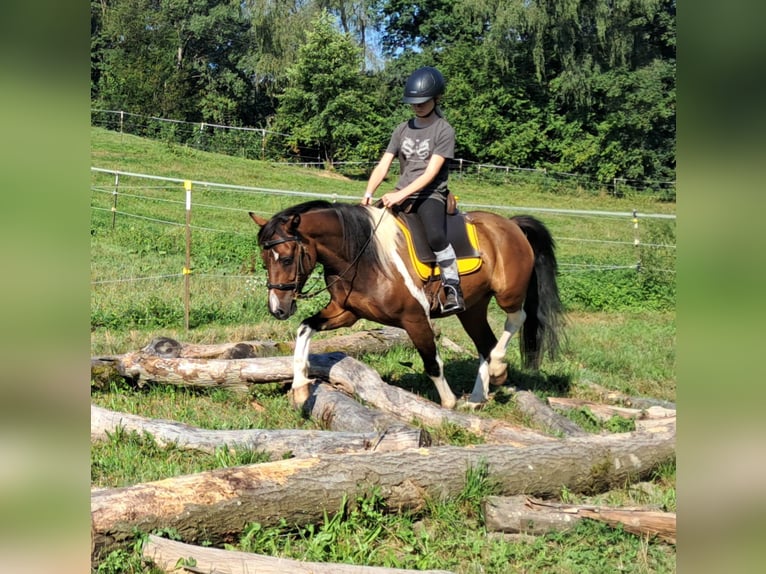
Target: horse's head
(288, 261)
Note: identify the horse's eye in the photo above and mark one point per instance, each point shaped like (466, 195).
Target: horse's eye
(286, 261)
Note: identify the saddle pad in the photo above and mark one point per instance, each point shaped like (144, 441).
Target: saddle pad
(461, 233)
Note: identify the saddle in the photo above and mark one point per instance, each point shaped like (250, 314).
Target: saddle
(461, 233)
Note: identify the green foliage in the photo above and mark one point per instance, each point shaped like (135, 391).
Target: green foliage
(589, 422)
(327, 102)
(577, 87)
(175, 59)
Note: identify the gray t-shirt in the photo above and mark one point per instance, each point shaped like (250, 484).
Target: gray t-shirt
(414, 148)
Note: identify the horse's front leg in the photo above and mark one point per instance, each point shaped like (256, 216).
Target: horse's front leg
(423, 337)
(329, 318)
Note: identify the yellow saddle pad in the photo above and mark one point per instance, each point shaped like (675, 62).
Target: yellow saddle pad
(461, 234)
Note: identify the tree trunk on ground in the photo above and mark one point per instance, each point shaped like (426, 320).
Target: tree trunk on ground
(166, 554)
(277, 443)
(616, 397)
(359, 380)
(353, 377)
(337, 411)
(521, 514)
(544, 416)
(605, 412)
(103, 369)
(216, 505)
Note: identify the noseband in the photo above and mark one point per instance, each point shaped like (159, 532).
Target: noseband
(298, 269)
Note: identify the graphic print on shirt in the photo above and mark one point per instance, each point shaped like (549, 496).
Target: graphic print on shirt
(412, 147)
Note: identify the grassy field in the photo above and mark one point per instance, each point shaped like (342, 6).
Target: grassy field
(620, 334)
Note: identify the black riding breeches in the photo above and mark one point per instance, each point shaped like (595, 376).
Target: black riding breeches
(432, 211)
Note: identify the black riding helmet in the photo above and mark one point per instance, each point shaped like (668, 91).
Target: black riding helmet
(422, 85)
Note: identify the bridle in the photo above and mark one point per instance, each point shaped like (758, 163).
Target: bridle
(294, 286)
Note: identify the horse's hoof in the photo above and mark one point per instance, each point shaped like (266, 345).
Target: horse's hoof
(299, 396)
(498, 380)
(450, 405)
(469, 405)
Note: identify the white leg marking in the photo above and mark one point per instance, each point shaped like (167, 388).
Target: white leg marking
(446, 395)
(301, 357)
(497, 362)
(480, 393)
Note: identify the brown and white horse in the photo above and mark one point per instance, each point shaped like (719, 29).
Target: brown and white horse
(369, 274)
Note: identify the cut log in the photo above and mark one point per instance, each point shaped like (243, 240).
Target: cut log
(217, 505)
(172, 349)
(521, 514)
(359, 380)
(618, 398)
(355, 378)
(277, 443)
(655, 424)
(168, 554)
(337, 411)
(511, 514)
(354, 344)
(544, 416)
(605, 412)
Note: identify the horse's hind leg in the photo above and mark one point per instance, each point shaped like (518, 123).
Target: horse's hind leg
(498, 366)
(493, 367)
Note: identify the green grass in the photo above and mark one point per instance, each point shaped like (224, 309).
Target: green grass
(620, 334)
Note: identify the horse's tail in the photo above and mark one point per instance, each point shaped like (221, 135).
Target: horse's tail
(545, 313)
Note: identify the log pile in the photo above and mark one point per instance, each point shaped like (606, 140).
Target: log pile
(369, 442)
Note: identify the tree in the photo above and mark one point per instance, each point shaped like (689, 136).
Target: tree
(585, 86)
(172, 58)
(327, 104)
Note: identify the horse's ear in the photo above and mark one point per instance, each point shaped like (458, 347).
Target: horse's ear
(258, 219)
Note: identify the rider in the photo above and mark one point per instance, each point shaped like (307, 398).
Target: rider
(423, 145)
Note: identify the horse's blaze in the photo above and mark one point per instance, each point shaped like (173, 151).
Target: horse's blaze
(278, 310)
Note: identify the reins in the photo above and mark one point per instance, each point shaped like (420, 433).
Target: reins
(299, 267)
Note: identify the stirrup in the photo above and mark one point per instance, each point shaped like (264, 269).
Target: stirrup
(453, 299)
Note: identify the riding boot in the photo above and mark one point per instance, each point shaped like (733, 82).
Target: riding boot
(453, 295)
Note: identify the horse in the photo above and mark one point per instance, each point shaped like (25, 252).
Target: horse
(369, 274)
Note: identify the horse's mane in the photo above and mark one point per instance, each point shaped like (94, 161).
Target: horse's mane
(272, 226)
(358, 223)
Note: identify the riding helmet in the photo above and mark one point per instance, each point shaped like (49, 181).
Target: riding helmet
(422, 85)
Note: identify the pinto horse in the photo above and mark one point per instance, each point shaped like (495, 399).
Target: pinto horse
(369, 274)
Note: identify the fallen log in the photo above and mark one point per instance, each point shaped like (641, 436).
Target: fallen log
(337, 411)
(544, 416)
(172, 349)
(127, 365)
(621, 399)
(355, 378)
(605, 412)
(525, 515)
(655, 424)
(359, 380)
(217, 505)
(276, 443)
(354, 344)
(168, 555)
